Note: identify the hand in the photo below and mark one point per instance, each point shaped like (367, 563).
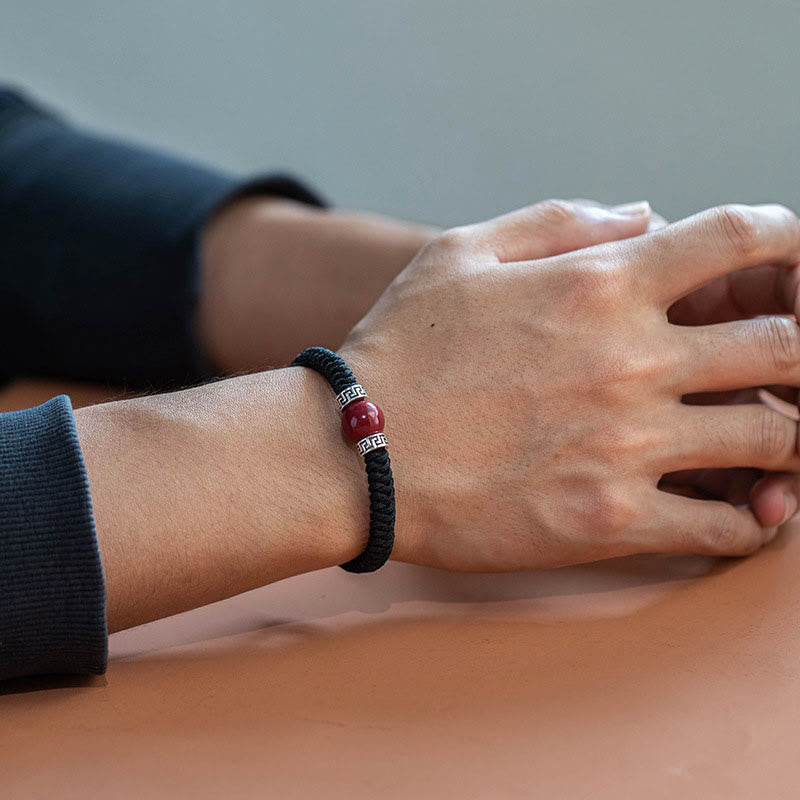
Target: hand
(763, 290)
(278, 275)
(215, 490)
(533, 404)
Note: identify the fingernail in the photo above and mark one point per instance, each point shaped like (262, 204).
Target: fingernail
(656, 222)
(790, 507)
(639, 209)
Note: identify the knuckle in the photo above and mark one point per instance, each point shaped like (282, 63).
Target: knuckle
(782, 343)
(736, 224)
(772, 434)
(453, 240)
(556, 213)
(610, 511)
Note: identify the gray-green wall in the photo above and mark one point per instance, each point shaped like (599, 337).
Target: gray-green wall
(441, 111)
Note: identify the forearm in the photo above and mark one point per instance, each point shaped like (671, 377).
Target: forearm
(278, 276)
(209, 492)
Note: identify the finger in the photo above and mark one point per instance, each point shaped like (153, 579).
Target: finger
(765, 289)
(553, 227)
(689, 254)
(656, 220)
(774, 498)
(741, 354)
(733, 436)
(707, 527)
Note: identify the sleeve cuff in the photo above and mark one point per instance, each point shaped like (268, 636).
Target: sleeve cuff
(270, 185)
(52, 591)
(100, 254)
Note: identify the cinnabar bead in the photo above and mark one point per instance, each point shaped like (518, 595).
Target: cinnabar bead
(360, 419)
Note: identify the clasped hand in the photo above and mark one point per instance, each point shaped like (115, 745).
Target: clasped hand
(541, 374)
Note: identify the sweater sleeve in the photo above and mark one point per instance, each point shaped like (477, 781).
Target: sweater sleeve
(52, 594)
(98, 262)
(98, 281)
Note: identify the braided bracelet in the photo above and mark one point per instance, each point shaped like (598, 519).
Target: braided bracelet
(362, 423)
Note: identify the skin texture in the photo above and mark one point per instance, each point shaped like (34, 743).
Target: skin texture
(575, 390)
(532, 383)
(209, 492)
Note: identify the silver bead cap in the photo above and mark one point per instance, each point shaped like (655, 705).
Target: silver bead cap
(346, 396)
(375, 441)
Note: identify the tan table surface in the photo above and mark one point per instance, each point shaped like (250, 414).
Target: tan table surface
(656, 677)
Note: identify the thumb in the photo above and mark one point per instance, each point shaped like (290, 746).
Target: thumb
(553, 227)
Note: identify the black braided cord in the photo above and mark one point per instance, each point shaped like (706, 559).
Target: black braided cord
(378, 465)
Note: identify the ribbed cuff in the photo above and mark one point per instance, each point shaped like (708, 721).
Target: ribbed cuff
(52, 592)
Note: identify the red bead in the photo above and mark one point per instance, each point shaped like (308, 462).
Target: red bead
(360, 419)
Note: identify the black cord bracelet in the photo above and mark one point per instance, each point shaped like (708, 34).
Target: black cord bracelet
(362, 422)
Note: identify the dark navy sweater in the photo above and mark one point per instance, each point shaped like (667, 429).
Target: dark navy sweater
(98, 281)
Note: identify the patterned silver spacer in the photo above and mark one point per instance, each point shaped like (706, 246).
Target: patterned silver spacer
(372, 442)
(354, 392)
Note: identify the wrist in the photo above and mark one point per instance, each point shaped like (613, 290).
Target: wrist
(378, 378)
(305, 484)
(300, 480)
(334, 523)
(362, 422)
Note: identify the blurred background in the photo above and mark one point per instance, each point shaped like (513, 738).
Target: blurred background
(437, 110)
